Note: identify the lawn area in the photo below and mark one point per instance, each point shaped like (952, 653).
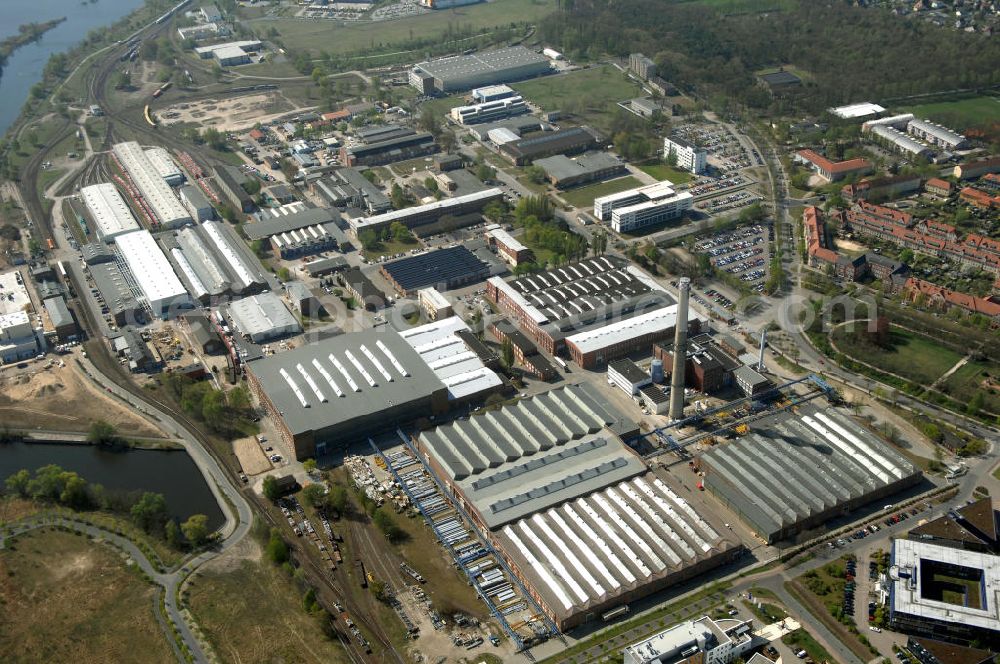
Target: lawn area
(973, 377)
(912, 356)
(372, 37)
(662, 171)
(68, 599)
(804, 640)
(386, 247)
(451, 589)
(250, 611)
(590, 94)
(584, 196)
(827, 583)
(768, 613)
(961, 114)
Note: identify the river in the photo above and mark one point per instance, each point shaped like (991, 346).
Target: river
(172, 473)
(25, 65)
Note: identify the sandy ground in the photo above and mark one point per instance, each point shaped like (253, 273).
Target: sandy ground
(251, 456)
(850, 245)
(60, 398)
(234, 114)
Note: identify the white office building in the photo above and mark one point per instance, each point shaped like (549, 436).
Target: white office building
(492, 93)
(17, 337)
(149, 181)
(489, 111)
(152, 273)
(645, 206)
(703, 640)
(108, 210)
(689, 157)
(434, 303)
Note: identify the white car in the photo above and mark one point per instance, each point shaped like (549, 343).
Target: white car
(875, 629)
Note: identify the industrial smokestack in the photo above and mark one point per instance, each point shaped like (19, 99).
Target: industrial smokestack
(763, 343)
(680, 351)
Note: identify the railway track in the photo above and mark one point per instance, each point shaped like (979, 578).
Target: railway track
(329, 590)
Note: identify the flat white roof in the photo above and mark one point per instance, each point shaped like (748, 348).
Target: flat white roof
(654, 321)
(444, 204)
(434, 296)
(229, 52)
(13, 294)
(14, 319)
(450, 359)
(150, 269)
(153, 188)
(907, 593)
(506, 239)
(654, 203)
(164, 163)
(650, 191)
(861, 110)
(253, 44)
(108, 210)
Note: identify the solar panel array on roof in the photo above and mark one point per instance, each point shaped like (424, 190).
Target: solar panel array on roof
(453, 266)
(801, 470)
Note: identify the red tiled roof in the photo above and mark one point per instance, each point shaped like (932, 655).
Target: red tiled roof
(342, 114)
(816, 236)
(969, 302)
(979, 198)
(825, 164)
(938, 183)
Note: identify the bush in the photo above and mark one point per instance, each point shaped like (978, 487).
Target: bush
(277, 549)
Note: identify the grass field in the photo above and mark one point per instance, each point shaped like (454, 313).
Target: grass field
(961, 114)
(804, 640)
(913, 357)
(584, 196)
(662, 171)
(321, 35)
(392, 247)
(67, 599)
(590, 94)
(251, 612)
(975, 377)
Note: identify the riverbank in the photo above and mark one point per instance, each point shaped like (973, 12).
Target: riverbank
(60, 438)
(27, 33)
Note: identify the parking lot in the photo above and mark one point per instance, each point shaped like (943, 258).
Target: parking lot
(742, 252)
(733, 201)
(724, 151)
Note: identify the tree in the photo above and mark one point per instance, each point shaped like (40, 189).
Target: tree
(485, 172)
(150, 511)
(74, 493)
(369, 239)
(975, 403)
(284, 274)
(18, 483)
(276, 550)
(309, 465)
(195, 529)
(535, 174)
(252, 187)
(400, 233)
(398, 197)
(337, 499)
(270, 488)
(430, 121)
(385, 523)
(507, 353)
(172, 533)
(314, 494)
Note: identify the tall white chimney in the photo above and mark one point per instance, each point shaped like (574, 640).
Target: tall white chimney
(680, 351)
(763, 343)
